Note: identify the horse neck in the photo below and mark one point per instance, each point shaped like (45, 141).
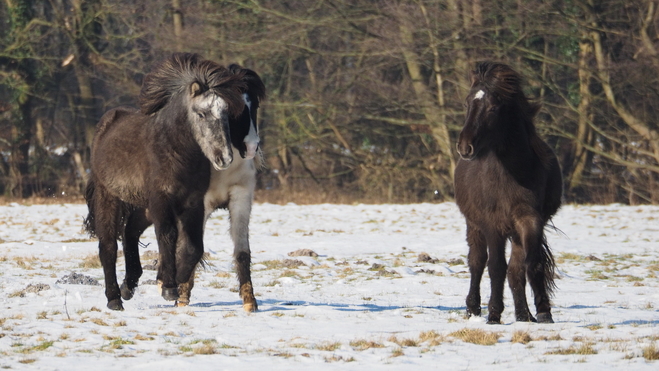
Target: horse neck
(516, 141)
(171, 132)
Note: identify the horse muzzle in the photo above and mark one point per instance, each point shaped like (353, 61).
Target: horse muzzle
(250, 150)
(222, 160)
(466, 151)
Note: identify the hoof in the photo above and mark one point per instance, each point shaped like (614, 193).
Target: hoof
(170, 293)
(473, 313)
(493, 320)
(126, 293)
(525, 318)
(115, 304)
(545, 318)
(250, 307)
(181, 303)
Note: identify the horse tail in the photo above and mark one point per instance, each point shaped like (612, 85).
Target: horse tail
(90, 220)
(548, 265)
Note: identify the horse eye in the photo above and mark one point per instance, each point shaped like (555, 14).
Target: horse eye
(201, 115)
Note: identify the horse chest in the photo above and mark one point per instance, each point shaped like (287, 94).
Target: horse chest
(238, 181)
(487, 192)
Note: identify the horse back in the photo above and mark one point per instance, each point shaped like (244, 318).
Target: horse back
(113, 116)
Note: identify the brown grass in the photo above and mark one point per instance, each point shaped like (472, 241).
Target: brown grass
(651, 353)
(397, 352)
(329, 346)
(476, 336)
(583, 349)
(521, 337)
(99, 322)
(431, 337)
(363, 344)
(91, 261)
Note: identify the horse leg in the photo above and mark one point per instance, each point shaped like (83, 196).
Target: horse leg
(496, 267)
(517, 281)
(190, 245)
(477, 258)
(240, 207)
(538, 262)
(136, 223)
(107, 219)
(185, 291)
(165, 225)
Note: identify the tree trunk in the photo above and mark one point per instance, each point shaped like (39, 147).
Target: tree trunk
(581, 156)
(432, 114)
(177, 18)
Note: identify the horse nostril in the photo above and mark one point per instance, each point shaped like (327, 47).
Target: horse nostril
(466, 151)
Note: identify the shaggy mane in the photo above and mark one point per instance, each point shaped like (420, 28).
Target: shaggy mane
(254, 83)
(506, 84)
(176, 73)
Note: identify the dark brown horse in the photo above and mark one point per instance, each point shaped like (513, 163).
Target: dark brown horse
(231, 188)
(508, 185)
(160, 159)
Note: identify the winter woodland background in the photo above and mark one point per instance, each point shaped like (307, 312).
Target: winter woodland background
(364, 96)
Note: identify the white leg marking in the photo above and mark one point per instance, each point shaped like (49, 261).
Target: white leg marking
(240, 207)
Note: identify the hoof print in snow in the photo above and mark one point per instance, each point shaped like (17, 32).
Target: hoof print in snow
(78, 279)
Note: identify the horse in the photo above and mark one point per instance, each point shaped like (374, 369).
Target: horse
(231, 188)
(508, 185)
(154, 166)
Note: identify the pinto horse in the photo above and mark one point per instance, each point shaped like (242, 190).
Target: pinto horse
(231, 188)
(161, 159)
(508, 185)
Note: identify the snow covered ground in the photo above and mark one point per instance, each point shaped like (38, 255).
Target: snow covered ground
(365, 301)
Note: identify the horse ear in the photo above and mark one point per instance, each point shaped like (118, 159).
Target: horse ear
(472, 78)
(195, 89)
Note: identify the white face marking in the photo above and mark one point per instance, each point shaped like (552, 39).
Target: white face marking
(218, 105)
(214, 142)
(479, 95)
(252, 139)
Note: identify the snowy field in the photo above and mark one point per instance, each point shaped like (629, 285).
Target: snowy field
(365, 302)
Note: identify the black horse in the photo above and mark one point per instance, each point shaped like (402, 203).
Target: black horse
(231, 188)
(160, 159)
(508, 185)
